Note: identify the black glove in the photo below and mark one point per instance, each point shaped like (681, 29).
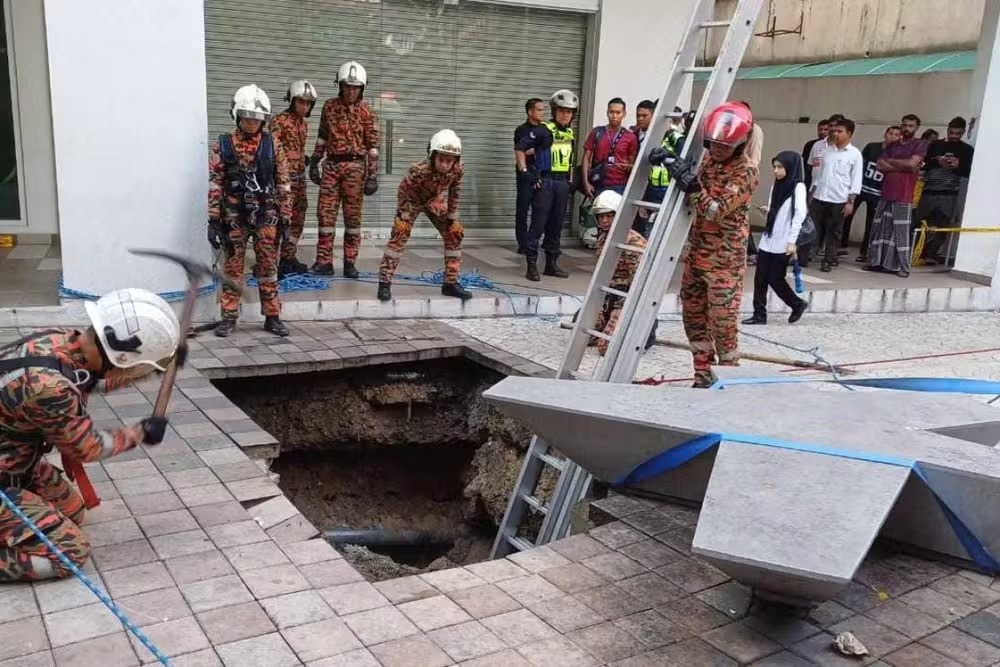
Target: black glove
(371, 185)
(314, 172)
(215, 233)
(683, 174)
(181, 355)
(659, 155)
(153, 430)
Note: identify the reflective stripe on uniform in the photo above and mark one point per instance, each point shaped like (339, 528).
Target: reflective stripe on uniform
(452, 253)
(352, 231)
(389, 252)
(107, 444)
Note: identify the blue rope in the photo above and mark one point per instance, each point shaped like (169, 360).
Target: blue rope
(84, 578)
(179, 295)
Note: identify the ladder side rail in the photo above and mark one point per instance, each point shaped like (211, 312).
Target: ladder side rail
(531, 471)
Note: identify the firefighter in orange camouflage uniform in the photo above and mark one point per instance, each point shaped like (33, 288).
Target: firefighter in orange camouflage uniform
(44, 382)
(720, 193)
(249, 195)
(347, 149)
(289, 129)
(423, 190)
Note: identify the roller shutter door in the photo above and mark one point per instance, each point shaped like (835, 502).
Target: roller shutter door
(430, 65)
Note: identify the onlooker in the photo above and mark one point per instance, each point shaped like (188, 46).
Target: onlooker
(534, 109)
(948, 161)
(889, 247)
(785, 214)
(813, 162)
(871, 189)
(609, 153)
(643, 117)
(754, 148)
(821, 130)
(837, 184)
(659, 176)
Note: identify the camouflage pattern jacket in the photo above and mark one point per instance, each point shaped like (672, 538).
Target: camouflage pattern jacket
(346, 130)
(246, 151)
(628, 263)
(290, 131)
(423, 187)
(721, 225)
(41, 406)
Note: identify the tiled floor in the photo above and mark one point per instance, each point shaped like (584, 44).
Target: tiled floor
(198, 546)
(31, 275)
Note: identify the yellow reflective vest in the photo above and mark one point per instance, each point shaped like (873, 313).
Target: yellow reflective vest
(562, 148)
(659, 177)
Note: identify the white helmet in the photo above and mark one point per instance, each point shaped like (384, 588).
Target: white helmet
(250, 102)
(303, 90)
(608, 201)
(135, 327)
(564, 99)
(352, 74)
(446, 142)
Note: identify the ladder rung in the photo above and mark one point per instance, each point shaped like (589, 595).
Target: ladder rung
(519, 543)
(715, 24)
(647, 204)
(699, 70)
(614, 292)
(581, 376)
(599, 334)
(552, 461)
(535, 502)
(630, 248)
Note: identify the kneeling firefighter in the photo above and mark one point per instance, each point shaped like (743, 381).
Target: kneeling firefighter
(249, 197)
(720, 192)
(424, 189)
(45, 379)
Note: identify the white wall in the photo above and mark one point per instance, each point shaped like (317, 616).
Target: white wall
(638, 42)
(128, 111)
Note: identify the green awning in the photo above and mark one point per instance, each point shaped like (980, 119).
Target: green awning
(954, 61)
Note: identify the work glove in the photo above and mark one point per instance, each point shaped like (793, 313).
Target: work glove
(181, 355)
(215, 233)
(683, 174)
(659, 155)
(371, 185)
(314, 172)
(153, 430)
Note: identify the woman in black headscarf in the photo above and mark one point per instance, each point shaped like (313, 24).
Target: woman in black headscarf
(785, 213)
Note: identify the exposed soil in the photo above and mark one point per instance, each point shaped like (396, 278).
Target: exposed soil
(401, 447)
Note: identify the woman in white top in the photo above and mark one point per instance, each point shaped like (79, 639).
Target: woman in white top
(785, 214)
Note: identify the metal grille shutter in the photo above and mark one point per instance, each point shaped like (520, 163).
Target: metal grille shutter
(469, 67)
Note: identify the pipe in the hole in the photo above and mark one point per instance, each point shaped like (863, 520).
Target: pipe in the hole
(381, 539)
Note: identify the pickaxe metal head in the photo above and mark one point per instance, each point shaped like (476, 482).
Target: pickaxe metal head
(195, 270)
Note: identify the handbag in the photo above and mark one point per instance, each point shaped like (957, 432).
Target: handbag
(808, 233)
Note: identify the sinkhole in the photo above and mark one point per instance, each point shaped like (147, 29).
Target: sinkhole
(402, 466)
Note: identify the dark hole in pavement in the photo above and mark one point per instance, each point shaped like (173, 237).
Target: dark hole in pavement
(405, 460)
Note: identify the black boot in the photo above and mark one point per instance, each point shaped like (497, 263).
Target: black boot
(322, 269)
(350, 271)
(532, 273)
(384, 292)
(552, 268)
(797, 311)
(756, 319)
(296, 266)
(456, 290)
(225, 327)
(273, 324)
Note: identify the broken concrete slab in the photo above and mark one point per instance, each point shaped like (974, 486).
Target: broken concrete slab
(760, 522)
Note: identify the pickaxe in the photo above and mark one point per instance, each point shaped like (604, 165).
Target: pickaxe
(195, 271)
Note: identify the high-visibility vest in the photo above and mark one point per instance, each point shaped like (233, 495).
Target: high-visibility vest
(659, 177)
(562, 148)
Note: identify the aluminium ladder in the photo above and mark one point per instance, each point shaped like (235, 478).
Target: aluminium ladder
(656, 269)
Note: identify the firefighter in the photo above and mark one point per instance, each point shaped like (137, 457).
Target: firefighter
(44, 382)
(249, 196)
(605, 206)
(719, 192)
(423, 190)
(554, 144)
(347, 149)
(289, 129)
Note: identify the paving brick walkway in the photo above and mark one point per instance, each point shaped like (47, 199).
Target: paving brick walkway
(199, 547)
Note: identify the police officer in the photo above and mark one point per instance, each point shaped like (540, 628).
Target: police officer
(659, 177)
(554, 144)
(249, 196)
(289, 129)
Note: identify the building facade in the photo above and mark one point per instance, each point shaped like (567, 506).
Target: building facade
(114, 103)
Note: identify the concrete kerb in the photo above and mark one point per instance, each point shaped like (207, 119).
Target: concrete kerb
(862, 301)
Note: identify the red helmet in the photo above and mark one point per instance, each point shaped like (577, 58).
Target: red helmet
(729, 123)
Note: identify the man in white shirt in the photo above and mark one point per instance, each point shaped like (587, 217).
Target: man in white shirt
(835, 187)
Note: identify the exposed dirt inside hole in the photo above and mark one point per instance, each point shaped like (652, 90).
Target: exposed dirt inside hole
(401, 447)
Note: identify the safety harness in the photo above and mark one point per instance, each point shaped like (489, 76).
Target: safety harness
(79, 378)
(253, 185)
